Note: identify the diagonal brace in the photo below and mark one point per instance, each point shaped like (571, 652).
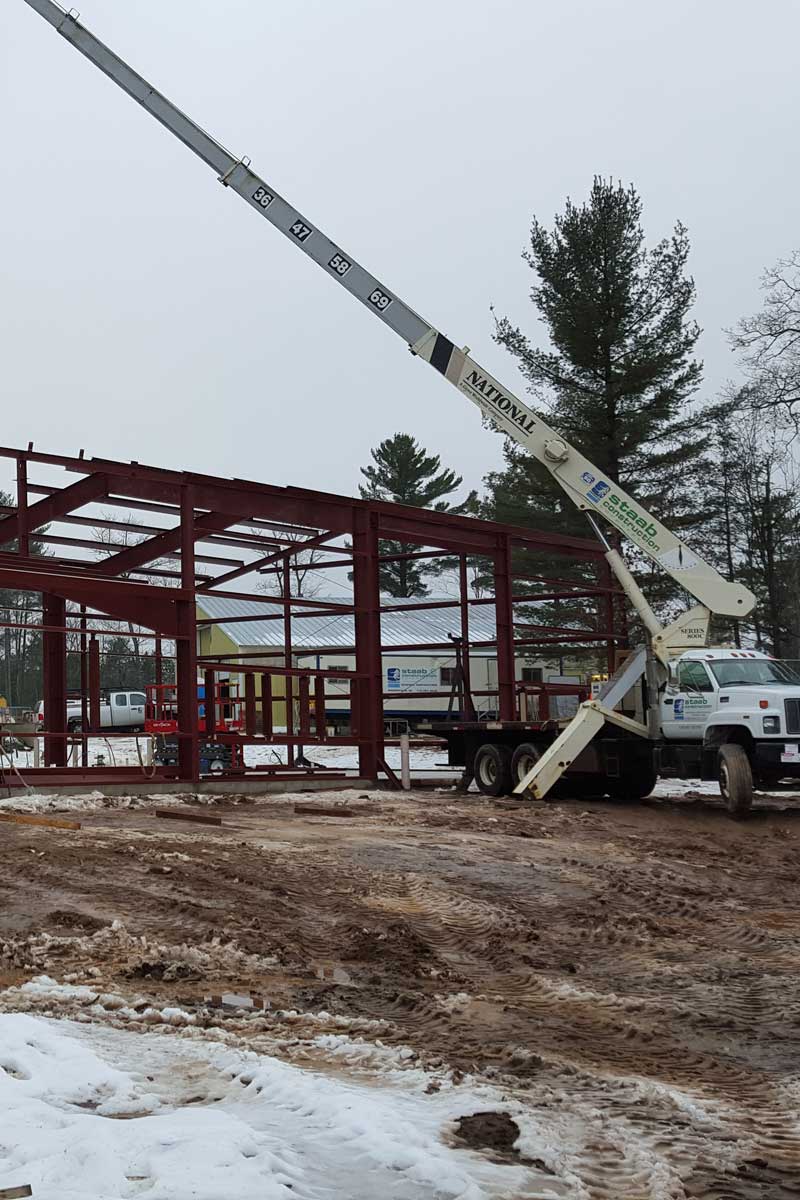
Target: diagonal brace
(153, 548)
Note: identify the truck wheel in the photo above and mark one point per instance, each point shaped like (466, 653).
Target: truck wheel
(524, 758)
(633, 786)
(493, 769)
(735, 778)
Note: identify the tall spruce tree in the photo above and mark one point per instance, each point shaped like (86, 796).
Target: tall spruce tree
(620, 370)
(405, 473)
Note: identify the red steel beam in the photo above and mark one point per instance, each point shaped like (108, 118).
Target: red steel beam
(232, 537)
(295, 601)
(143, 604)
(84, 491)
(299, 506)
(171, 539)
(297, 547)
(122, 526)
(225, 664)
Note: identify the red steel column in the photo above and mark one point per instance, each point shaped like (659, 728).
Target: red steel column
(186, 648)
(266, 705)
(606, 613)
(84, 691)
(54, 671)
(210, 703)
(250, 704)
(504, 617)
(23, 541)
(94, 685)
(287, 657)
(367, 601)
(319, 707)
(469, 707)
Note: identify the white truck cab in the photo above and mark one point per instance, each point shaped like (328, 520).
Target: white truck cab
(713, 689)
(731, 705)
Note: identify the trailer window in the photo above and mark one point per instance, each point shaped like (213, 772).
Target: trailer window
(693, 677)
(447, 676)
(532, 675)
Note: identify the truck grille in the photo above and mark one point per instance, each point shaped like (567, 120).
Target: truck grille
(792, 716)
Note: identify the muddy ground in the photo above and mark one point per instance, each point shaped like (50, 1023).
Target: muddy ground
(630, 973)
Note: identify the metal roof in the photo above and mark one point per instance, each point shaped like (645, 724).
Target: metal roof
(313, 632)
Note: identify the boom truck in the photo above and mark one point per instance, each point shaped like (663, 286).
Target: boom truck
(612, 745)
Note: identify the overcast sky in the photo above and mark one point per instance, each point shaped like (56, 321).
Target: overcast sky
(147, 313)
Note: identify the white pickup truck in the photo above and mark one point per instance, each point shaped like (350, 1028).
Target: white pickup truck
(731, 715)
(118, 710)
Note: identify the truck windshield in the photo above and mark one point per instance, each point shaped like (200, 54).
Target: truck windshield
(760, 671)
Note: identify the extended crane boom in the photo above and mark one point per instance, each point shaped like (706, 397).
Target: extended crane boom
(579, 478)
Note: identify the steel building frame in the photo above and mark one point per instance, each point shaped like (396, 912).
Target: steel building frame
(155, 584)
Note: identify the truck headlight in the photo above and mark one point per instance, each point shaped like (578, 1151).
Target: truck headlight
(771, 724)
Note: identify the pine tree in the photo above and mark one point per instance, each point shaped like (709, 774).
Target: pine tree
(404, 472)
(619, 373)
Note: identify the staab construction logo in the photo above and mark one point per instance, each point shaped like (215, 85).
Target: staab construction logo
(479, 387)
(624, 514)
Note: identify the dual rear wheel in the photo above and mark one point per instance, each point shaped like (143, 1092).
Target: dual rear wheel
(498, 770)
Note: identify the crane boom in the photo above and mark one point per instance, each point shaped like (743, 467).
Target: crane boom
(580, 479)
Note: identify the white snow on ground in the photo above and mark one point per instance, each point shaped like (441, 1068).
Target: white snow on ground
(28, 801)
(421, 758)
(122, 752)
(94, 1113)
(679, 787)
(115, 752)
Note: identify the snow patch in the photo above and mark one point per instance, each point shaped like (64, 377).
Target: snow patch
(211, 1123)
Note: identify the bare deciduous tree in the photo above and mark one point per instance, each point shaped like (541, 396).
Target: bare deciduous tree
(770, 342)
(304, 566)
(756, 526)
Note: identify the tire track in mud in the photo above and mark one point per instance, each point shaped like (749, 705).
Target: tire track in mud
(596, 1028)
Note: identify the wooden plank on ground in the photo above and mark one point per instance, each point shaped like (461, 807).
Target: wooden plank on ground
(189, 814)
(48, 822)
(324, 810)
(15, 1193)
